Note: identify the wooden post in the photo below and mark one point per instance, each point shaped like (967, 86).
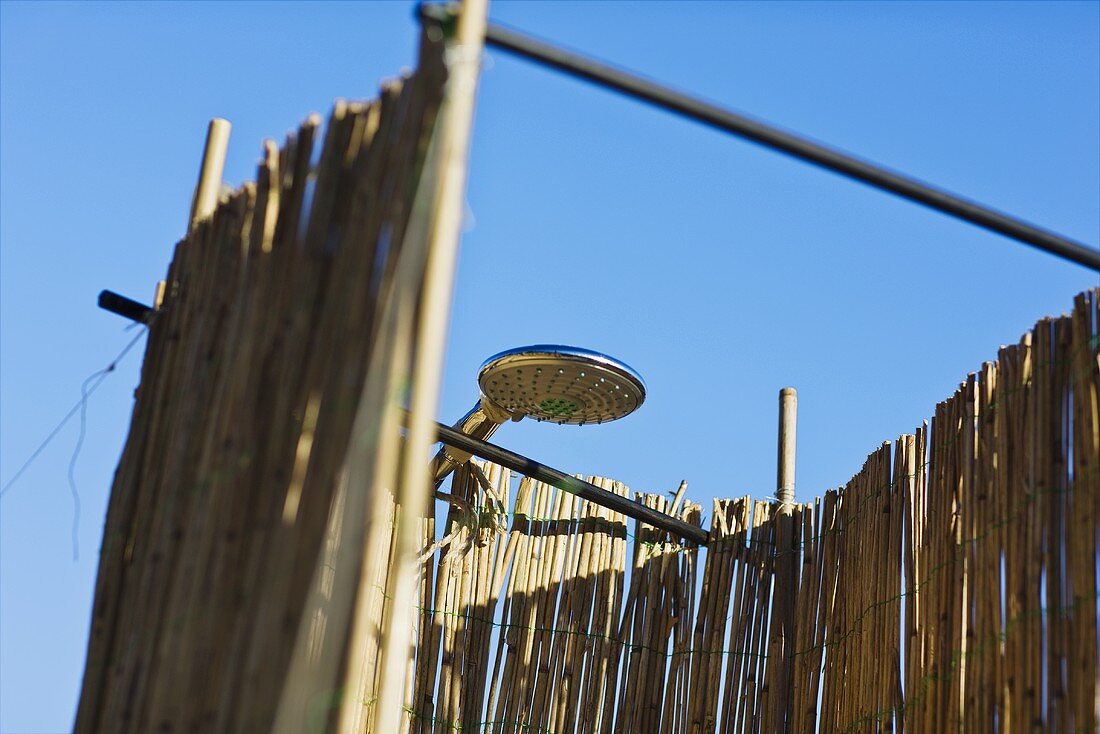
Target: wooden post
(788, 418)
(210, 175)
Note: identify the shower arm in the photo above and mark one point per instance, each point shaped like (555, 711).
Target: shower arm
(565, 482)
(481, 422)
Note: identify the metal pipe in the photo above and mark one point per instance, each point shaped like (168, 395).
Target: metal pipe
(567, 483)
(772, 137)
(125, 307)
(476, 423)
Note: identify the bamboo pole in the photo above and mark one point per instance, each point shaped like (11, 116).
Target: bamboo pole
(208, 189)
(782, 630)
(453, 128)
(788, 423)
(1082, 356)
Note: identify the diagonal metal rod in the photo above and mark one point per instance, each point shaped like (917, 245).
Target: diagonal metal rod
(772, 137)
(570, 484)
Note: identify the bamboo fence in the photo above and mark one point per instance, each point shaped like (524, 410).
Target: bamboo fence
(263, 448)
(255, 556)
(950, 586)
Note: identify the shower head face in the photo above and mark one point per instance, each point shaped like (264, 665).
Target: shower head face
(550, 382)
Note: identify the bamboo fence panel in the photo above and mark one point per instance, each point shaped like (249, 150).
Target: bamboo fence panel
(228, 531)
(950, 585)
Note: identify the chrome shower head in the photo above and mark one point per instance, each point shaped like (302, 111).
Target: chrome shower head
(547, 382)
(561, 384)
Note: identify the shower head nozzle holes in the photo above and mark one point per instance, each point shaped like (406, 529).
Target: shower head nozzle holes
(561, 384)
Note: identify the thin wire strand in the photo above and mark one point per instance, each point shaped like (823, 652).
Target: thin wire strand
(79, 408)
(76, 454)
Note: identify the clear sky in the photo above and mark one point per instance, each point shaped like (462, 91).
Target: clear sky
(719, 270)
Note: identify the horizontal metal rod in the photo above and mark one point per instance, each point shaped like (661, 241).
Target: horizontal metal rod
(570, 484)
(125, 307)
(772, 137)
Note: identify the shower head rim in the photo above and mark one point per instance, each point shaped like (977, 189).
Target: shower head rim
(569, 352)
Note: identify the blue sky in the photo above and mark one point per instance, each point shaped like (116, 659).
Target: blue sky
(720, 271)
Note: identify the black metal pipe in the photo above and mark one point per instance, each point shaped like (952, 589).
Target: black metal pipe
(772, 137)
(125, 307)
(567, 483)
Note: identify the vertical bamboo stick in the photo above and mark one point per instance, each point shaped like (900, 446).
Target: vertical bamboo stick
(454, 127)
(1082, 356)
(615, 649)
(519, 541)
(788, 426)
(208, 189)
